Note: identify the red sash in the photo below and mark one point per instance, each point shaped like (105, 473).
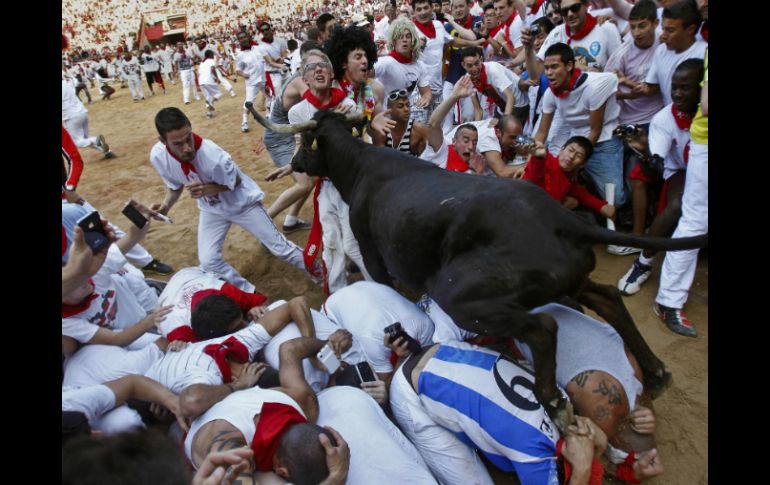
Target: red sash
(428, 29)
(72, 310)
(231, 348)
(402, 59)
(507, 26)
(269, 88)
(337, 96)
(683, 120)
(597, 470)
(274, 419)
(249, 47)
(183, 333)
(314, 241)
(489, 91)
(588, 26)
(455, 162)
(572, 81)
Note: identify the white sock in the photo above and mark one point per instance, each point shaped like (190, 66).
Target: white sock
(290, 220)
(646, 261)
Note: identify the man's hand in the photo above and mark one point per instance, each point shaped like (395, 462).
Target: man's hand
(606, 18)
(199, 189)
(400, 346)
(526, 38)
(647, 465)
(382, 124)
(463, 87)
(82, 262)
(158, 315)
(377, 390)
(642, 420)
(259, 147)
(279, 173)
(257, 312)
(570, 202)
(221, 467)
(250, 374)
(608, 211)
(161, 208)
(337, 458)
(73, 197)
(340, 341)
(342, 108)
(424, 100)
(177, 346)
(584, 426)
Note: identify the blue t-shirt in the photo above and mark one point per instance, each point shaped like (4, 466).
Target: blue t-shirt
(456, 70)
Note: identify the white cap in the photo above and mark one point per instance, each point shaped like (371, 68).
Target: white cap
(359, 20)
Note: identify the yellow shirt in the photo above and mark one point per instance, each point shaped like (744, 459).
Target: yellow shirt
(699, 130)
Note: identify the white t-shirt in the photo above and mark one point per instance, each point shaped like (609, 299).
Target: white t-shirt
(165, 57)
(432, 57)
(395, 76)
(498, 78)
(514, 33)
(213, 164)
(366, 308)
(179, 370)
(304, 111)
(131, 68)
(668, 141)
(665, 62)
(93, 401)
(274, 50)
(252, 63)
(150, 62)
(96, 364)
(179, 292)
(621, 23)
(184, 61)
(205, 74)
(70, 104)
(575, 109)
(596, 47)
(115, 305)
(635, 63)
(296, 62)
(380, 454)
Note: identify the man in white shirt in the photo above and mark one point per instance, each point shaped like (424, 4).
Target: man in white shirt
(151, 68)
(133, 74)
(165, 54)
(184, 63)
(250, 65)
(587, 105)
(209, 82)
(273, 52)
(495, 88)
(75, 117)
(680, 24)
(225, 195)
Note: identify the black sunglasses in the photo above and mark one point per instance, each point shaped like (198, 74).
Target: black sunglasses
(574, 8)
(403, 93)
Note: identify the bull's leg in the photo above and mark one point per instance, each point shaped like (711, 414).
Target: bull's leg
(606, 301)
(373, 262)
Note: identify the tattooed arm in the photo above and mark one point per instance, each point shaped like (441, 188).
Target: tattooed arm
(220, 436)
(599, 396)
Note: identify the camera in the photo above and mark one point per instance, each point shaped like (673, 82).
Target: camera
(626, 130)
(534, 31)
(477, 26)
(524, 140)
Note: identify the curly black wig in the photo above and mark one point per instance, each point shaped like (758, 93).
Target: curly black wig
(345, 40)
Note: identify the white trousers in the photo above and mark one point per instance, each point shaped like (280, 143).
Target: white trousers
(338, 238)
(225, 84)
(277, 79)
(451, 461)
(77, 126)
(188, 79)
(135, 85)
(212, 230)
(137, 255)
(251, 95)
(211, 92)
(678, 269)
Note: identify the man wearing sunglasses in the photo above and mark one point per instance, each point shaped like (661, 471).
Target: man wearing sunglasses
(592, 43)
(273, 52)
(408, 135)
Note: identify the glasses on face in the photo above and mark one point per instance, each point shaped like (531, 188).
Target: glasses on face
(402, 93)
(317, 65)
(574, 8)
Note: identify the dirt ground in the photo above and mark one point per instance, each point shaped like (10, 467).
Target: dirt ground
(128, 127)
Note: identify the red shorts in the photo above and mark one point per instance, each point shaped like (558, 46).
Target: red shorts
(637, 174)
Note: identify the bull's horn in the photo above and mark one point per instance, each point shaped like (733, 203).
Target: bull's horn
(355, 132)
(314, 146)
(354, 117)
(280, 128)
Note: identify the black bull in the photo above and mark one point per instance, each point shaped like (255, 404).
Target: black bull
(486, 249)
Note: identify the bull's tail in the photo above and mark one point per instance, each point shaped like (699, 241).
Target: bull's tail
(597, 234)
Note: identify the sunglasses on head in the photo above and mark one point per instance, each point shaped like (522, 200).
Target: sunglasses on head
(316, 65)
(401, 93)
(574, 8)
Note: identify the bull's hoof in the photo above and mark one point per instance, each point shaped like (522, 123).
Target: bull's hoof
(657, 383)
(560, 411)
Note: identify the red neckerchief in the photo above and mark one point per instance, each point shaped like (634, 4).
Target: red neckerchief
(506, 25)
(455, 162)
(344, 83)
(625, 471)
(683, 120)
(597, 470)
(536, 6)
(274, 419)
(314, 241)
(704, 30)
(72, 310)
(483, 87)
(250, 46)
(183, 333)
(572, 81)
(428, 29)
(268, 41)
(468, 22)
(588, 26)
(245, 301)
(337, 96)
(232, 348)
(187, 166)
(402, 59)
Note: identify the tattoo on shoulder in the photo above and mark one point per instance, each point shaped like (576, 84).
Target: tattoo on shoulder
(601, 414)
(582, 378)
(612, 392)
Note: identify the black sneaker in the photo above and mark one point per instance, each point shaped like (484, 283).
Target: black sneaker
(156, 266)
(300, 225)
(675, 320)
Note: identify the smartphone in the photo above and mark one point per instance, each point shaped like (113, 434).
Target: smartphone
(395, 331)
(365, 372)
(328, 359)
(95, 235)
(134, 215)
(354, 375)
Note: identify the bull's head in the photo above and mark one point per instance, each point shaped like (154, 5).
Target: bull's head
(310, 158)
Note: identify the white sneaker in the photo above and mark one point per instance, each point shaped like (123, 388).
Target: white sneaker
(244, 127)
(632, 281)
(622, 250)
(232, 94)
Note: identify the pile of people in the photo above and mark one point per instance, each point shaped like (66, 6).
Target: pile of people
(603, 105)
